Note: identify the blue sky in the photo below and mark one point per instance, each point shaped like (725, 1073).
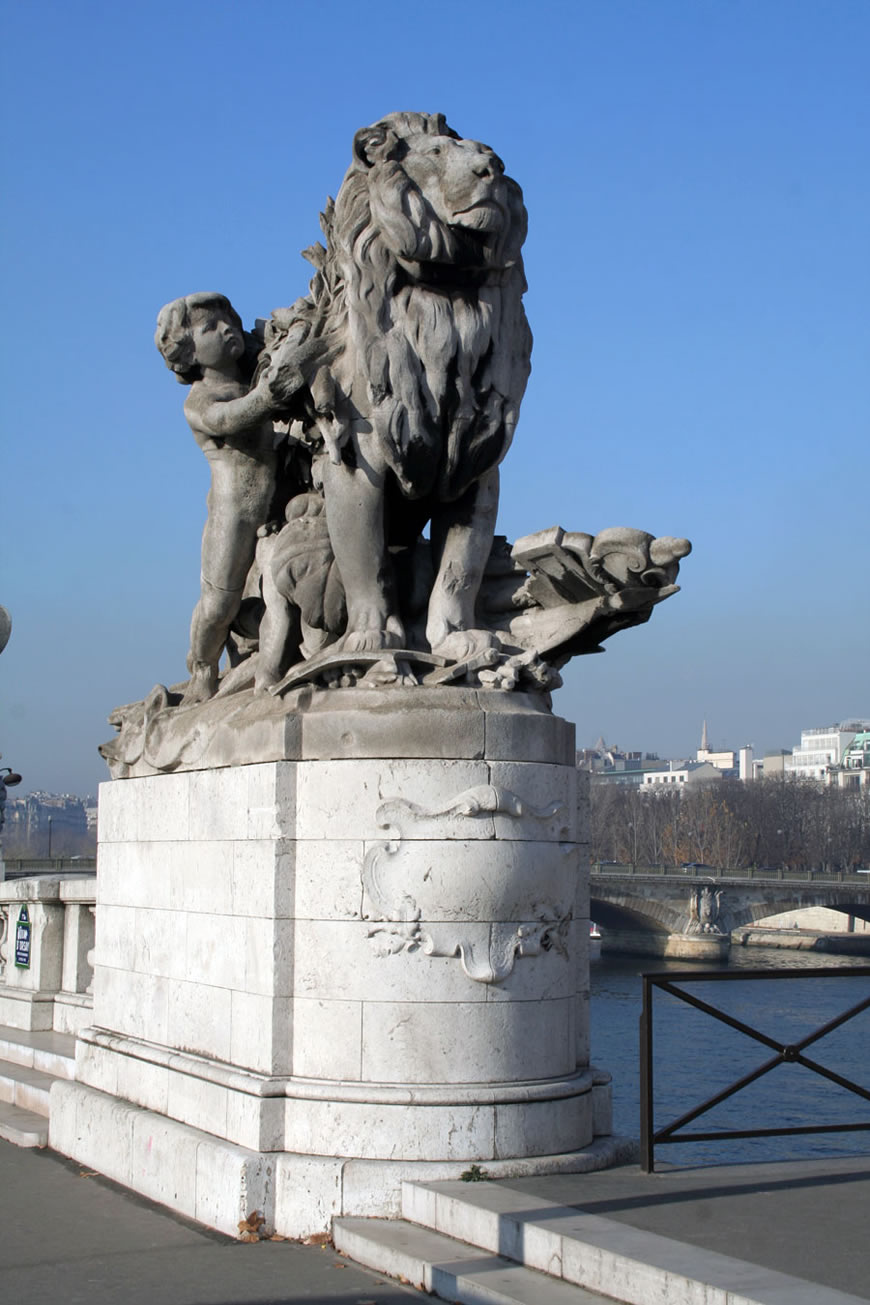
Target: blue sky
(696, 175)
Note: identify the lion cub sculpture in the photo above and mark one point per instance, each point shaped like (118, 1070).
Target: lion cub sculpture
(418, 300)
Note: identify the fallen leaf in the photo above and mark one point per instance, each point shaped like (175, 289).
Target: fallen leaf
(249, 1229)
(316, 1239)
(87, 1173)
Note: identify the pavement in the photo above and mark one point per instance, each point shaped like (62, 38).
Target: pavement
(71, 1237)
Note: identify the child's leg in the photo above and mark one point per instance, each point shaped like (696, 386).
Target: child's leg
(209, 627)
(228, 546)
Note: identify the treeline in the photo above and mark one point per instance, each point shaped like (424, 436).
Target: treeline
(792, 824)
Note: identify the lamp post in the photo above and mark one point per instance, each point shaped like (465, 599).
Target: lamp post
(49, 838)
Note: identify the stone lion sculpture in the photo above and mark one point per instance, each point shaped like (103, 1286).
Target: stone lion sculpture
(419, 294)
(389, 396)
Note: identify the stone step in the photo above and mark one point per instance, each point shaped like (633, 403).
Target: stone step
(52, 1053)
(22, 1127)
(27, 1088)
(600, 1255)
(451, 1269)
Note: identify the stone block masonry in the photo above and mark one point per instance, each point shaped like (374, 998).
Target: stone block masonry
(359, 968)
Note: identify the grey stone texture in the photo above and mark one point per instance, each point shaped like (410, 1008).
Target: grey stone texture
(339, 429)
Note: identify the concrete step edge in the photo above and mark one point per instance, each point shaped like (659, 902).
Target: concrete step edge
(54, 1053)
(601, 1255)
(28, 1088)
(22, 1127)
(449, 1268)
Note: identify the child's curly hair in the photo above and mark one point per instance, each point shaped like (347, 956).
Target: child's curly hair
(174, 335)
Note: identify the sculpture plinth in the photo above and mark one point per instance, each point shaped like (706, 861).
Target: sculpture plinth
(344, 968)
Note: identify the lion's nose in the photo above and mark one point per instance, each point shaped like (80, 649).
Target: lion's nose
(489, 164)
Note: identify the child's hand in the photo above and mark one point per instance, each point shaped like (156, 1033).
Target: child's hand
(292, 363)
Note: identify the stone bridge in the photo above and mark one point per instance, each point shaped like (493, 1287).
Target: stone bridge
(689, 913)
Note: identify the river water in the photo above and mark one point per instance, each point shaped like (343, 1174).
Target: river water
(696, 1056)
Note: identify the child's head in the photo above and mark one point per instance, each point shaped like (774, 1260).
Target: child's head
(174, 336)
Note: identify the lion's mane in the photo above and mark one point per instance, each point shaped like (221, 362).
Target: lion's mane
(432, 343)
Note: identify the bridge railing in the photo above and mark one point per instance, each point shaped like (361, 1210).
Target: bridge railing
(857, 878)
(47, 927)
(784, 1053)
(24, 867)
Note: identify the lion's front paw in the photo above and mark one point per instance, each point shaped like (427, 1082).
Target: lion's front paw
(369, 631)
(461, 645)
(356, 641)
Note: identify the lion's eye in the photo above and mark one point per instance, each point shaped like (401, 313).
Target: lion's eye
(437, 149)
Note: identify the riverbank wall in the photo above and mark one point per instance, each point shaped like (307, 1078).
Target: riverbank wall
(812, 940)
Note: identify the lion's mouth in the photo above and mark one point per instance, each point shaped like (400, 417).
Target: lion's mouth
(482, 215)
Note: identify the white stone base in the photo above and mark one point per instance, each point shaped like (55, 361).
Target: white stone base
(339, 969)
(220, 1184)
(193, 1173)
(73, 1011)
(32, 1011)
(463, 1122)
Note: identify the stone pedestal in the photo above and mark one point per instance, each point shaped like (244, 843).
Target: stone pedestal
(365, 962)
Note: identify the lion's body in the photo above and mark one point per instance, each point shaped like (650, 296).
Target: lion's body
(418, 300)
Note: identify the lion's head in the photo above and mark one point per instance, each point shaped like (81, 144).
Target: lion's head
(420, 287)
(434, 197)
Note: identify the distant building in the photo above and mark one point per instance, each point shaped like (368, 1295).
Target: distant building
(854, 769)
(822, 750)
(29, 820)
(609, 764)
(723, 759)
(681, 775)
(773, 764)
(736, 764)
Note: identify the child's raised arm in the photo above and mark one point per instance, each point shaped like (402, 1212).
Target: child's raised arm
(225, 417)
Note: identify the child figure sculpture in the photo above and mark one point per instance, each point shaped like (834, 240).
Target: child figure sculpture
(201, 339)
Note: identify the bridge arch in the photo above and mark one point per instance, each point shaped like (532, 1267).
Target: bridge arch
(663, 903)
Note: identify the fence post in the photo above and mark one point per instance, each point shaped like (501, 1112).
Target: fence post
(647, 1159)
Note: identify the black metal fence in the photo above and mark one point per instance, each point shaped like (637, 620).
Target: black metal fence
(784, 1053)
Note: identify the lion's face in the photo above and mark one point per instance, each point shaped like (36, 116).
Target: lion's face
(462, 180)
(434, 197)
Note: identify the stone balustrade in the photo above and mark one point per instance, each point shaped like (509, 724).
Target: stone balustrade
(46, 952)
